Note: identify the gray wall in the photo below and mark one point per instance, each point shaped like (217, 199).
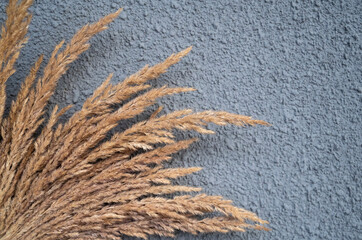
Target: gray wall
(296, 65)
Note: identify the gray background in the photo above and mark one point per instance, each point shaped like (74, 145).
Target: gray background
(295, 64)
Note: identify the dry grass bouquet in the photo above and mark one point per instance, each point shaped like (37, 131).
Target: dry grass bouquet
(68, 181)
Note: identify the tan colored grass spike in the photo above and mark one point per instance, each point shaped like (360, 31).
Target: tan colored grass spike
(12, 40)
(71, 182)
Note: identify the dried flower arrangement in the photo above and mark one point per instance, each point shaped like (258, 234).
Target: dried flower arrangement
(63, 181)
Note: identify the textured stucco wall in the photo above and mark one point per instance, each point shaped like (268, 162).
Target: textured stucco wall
(295, 64)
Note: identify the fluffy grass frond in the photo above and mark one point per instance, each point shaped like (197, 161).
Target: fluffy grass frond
(69, 181)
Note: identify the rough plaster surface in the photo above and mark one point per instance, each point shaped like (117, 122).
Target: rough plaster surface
(295, 64)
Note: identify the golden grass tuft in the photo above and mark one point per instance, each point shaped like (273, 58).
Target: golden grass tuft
(67, 182)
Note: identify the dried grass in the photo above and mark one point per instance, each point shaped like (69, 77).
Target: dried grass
(67, 182)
